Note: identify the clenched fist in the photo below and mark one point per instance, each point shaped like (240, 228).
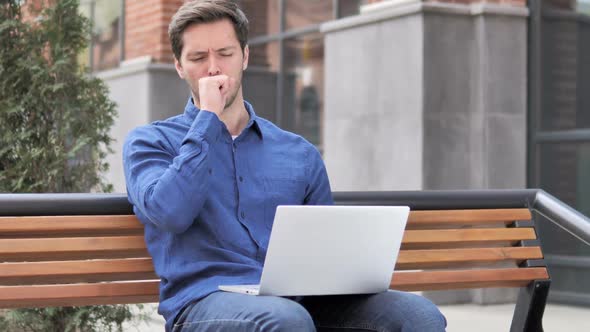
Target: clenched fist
(214, 92)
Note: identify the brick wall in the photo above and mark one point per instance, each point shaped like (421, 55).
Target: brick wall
(146, 28)
(146, 24)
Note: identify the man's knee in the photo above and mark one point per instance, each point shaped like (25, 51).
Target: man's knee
(287, 315)
(422, 315)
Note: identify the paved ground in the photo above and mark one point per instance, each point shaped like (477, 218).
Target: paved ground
(494, 318)
(463, 318)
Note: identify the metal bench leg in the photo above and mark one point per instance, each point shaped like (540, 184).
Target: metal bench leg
(530, 306)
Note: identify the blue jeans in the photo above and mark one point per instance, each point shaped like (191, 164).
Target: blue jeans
(389, 311)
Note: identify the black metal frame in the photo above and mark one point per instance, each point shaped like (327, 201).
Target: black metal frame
(530, 306)
(531, 301)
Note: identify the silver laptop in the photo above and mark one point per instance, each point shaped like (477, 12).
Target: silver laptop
(330, 250)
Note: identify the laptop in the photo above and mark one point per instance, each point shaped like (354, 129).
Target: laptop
(330, 250)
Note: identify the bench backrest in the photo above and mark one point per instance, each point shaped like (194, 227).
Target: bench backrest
(102, 259)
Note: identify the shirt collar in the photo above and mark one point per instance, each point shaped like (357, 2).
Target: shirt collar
(191, 111)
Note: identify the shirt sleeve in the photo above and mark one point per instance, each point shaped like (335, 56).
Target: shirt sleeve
(169, 188)
(318, 188)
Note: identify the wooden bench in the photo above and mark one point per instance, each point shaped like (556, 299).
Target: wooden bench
(73, 250)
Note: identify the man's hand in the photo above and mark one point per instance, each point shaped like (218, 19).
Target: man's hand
(214, 91)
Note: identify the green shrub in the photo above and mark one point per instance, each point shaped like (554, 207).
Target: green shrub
(54, 132)
(54, 118)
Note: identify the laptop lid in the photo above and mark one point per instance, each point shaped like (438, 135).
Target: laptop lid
(329, 250)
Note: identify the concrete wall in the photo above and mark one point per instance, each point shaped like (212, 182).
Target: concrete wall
(373, 105)
(475, 101)
(144, 92)
(426, 96)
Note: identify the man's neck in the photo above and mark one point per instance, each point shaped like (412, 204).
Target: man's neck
(235, 116)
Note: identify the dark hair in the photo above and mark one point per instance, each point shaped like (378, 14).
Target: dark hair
(206, 11)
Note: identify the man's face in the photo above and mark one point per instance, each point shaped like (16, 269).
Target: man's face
(211, 49)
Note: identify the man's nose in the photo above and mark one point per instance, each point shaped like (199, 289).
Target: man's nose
(213, 68)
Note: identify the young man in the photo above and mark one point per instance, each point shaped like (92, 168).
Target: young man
(206, 185)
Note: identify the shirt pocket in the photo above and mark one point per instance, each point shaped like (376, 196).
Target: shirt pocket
(281, 191)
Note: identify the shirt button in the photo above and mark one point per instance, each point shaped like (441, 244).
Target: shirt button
(210, 171)
(241, 179)
(243, 215)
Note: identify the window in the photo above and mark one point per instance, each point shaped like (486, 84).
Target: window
(284, 80)
(105, 50)
(559, 132)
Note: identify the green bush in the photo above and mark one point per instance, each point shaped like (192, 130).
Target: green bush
(55, 118)
(54, 132)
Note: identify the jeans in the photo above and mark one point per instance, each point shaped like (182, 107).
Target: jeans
(388, 311)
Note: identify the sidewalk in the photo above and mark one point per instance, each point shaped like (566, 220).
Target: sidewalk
(464, 318)
(495, 318)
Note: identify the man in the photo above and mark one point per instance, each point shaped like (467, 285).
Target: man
(206, 185)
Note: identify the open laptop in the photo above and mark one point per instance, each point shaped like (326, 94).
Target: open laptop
(330, 250)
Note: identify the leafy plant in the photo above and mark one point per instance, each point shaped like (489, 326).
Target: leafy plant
(55, 118)
(54, 132)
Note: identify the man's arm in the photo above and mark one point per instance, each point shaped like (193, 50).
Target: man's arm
(318, 189)
(169, 189)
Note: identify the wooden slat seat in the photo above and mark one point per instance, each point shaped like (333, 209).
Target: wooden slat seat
(436, 258)
(88, 247)
(437, 280)
(47, 226)
(84, 260)
(76, 271)
(79, 294)
(467, 217)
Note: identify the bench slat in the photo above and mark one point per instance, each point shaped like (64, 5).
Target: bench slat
(424, 259)
(69, 225)
(79, 294)
(62, 272)
(465, 236)
(146, 291)
(454, 217)
(438, 280)
(72, 248)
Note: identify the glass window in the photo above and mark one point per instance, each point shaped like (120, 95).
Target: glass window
(260, 80)
(263, 16)
(566, 74)
(563, 172)
(349, 7)
(84, 56)
(105, 42)
(583, 6)
(303, 89)
(302, 13)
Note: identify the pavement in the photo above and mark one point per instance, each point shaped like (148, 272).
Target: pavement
(461, 318)
(494, 318)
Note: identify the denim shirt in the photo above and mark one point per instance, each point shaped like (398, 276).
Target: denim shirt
(208, 202)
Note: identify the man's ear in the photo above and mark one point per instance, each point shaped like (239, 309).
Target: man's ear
(178, 67)
(246, 54)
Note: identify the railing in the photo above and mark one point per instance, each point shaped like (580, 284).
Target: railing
(538, 200)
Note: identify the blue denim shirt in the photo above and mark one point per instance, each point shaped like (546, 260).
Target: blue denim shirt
(208, 202)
